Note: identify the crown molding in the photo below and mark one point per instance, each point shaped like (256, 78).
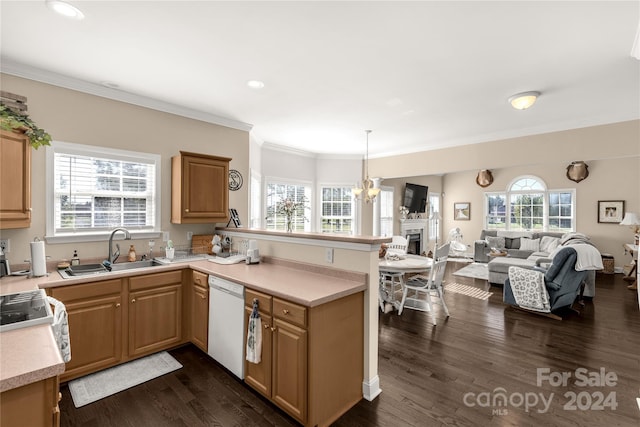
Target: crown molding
(8, 66)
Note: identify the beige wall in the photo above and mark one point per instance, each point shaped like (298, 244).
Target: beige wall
(611, 151)
(72, 116)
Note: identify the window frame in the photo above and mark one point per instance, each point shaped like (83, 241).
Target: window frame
(321, 217)
(53, 236)
(308, 224)
(508, 195)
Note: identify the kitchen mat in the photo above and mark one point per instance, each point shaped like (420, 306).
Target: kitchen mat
(98, 385)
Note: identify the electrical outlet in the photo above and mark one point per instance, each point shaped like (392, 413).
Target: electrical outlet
(328, 255)
(189, 235)
(165, 236)
(4, 244)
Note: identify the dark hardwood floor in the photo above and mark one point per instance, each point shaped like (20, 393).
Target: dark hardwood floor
(458, 373)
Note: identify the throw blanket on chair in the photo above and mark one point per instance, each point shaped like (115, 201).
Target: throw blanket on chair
(529, 290)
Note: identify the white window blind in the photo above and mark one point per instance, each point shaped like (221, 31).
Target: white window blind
(97, 189)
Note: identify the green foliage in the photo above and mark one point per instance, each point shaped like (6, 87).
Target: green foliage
(11, 120)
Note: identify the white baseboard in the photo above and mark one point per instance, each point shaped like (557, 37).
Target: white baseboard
(371, 389)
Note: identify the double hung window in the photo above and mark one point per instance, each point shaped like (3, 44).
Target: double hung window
(337, 213)
(92, 190)
(277, 194)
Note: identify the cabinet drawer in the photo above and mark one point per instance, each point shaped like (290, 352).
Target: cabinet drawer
(264, 300)
(200, 279)
(153, 280)
(290, 312)
(87, 290)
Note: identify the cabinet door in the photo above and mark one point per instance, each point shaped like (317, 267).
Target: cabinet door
(200, 189)
(155, 319)
(15, 180)
(290, 369)
(258, 375)
(95, 332)
(199, 316)
(34, 404)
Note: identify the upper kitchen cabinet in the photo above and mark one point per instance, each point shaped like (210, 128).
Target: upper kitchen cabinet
(15, 180)
(199, 188)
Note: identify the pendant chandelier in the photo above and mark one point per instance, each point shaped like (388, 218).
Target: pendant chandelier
(367, 191)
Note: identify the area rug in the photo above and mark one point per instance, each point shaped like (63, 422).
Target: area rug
(93, 387)
(477, 270)
(467, 290)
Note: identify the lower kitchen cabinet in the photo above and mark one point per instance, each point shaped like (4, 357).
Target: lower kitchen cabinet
(34, 405)
(155, 312)
(199, 307)
(95, 316)
(312, 357)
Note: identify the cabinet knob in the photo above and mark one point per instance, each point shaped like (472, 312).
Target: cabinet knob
(203, 297)
(117, 305)
(285, 312)
(273, 329)
(186, 210)
(266, 326)
(133, 300)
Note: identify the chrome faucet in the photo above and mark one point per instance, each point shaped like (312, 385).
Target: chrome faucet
(113, 256)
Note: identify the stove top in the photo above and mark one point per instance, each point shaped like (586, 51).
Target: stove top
(24, 309)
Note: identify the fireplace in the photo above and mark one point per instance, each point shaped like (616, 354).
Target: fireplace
(416, 231)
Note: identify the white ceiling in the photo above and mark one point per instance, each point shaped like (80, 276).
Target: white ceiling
(421, 75)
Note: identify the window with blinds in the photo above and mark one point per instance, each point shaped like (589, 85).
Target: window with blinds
(277, 194)
(337, 214)
(97, 189)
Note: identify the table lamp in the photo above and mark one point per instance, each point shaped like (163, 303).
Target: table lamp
(632, 219)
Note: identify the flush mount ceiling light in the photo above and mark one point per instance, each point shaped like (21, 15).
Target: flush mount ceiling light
(65, 9)
(524, 100)
(255, 84)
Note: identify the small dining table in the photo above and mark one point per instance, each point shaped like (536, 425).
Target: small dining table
(397, 268)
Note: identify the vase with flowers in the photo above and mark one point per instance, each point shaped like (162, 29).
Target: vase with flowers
(289, 208)
(403, 212)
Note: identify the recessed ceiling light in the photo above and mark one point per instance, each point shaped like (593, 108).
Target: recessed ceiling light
(524, 100)
(255, 84)
(65, 9)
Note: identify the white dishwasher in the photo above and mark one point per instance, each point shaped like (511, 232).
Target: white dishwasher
(226, 324)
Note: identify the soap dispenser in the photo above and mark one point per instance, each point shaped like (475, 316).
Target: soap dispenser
(75, 260)
(132, 253)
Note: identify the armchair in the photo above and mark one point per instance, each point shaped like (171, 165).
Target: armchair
(544, 291)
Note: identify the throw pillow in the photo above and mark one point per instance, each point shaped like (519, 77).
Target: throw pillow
(496, 242)
(548, 244)
(527, 244)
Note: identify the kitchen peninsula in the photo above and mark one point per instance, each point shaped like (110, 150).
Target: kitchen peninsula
(303, 282)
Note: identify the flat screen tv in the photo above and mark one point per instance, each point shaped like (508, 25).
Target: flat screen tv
(415, 197)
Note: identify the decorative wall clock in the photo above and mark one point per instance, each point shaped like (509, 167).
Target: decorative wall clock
(235, 180)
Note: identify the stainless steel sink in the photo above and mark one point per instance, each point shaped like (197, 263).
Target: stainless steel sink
(135, 264)
(93, 269)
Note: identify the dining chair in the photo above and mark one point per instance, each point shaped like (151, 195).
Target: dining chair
(417, 291)
(391, 283)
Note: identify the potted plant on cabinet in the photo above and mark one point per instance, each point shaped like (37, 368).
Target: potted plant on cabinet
(11, 120)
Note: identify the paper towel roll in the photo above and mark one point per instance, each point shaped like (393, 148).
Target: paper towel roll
(38, 259)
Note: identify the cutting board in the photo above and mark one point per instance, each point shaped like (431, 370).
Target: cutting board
(201, 244)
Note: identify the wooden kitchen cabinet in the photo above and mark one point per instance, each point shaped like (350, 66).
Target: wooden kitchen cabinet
(15, 180)
(95, 316)
(199, 188)
(312, 357)
(33, 405)
(155, 312)
(199, 319)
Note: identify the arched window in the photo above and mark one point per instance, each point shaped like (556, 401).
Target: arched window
(529, 205)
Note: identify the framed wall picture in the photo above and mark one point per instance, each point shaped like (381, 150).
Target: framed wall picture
(462, 211)
(611, 211)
